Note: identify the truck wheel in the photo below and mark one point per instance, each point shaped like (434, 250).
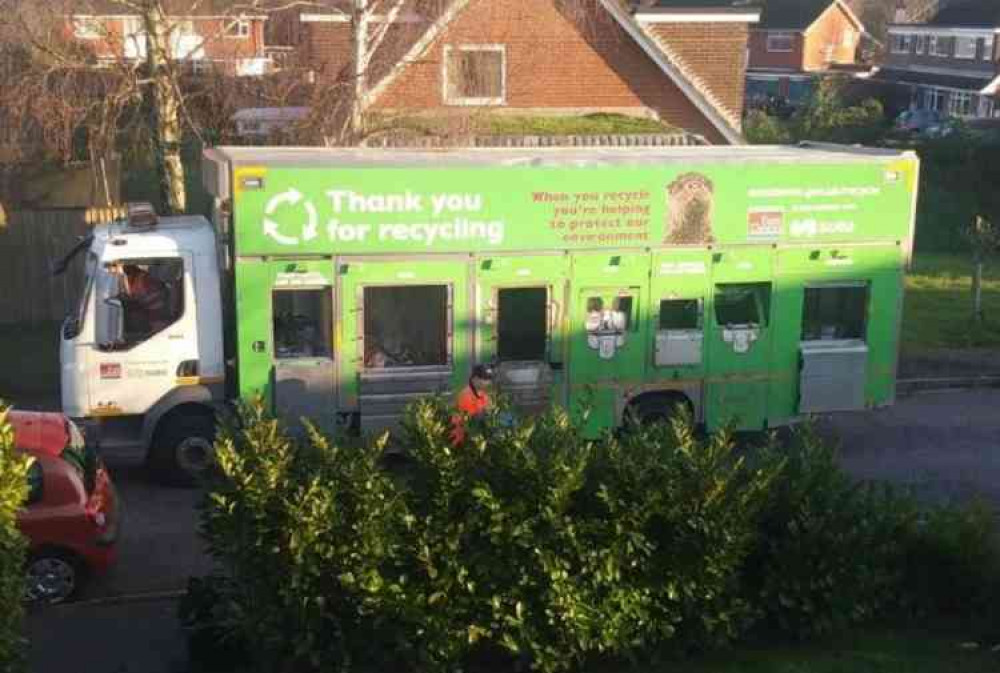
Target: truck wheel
(183, 450)
(656, 409)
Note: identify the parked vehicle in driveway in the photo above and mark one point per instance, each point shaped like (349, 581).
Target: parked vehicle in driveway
(72, 515)
(919, 121)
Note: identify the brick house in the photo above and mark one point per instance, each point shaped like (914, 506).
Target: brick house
(681, 62)
(950, 63)
(206, 34)
(797, 42)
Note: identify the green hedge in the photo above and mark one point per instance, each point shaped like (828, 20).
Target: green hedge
(13, 493)
(532, 543)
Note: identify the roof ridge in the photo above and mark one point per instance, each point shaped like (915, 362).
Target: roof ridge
(697, 80)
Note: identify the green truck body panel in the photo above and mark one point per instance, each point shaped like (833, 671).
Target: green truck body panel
(732, 280)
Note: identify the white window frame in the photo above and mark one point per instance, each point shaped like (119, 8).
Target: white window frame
(934, 99)
(135, 39)
(987, 107)
(775, 35)
(922, 44)
(961, 104)
(988, 43)
(966, 42)
(902, 43)
(238, 30)
(847, 39)
(450, 98)
(936, 44)
(87, 27)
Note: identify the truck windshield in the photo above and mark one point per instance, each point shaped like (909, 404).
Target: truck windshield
(78, 308)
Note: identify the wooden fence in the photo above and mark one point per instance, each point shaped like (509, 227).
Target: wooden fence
(30, 245)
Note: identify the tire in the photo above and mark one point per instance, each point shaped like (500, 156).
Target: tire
(656, 409)
(182, 451)
(52, 577)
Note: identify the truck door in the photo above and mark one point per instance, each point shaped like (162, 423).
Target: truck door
(607, 333)
(679, 317)
(145, 332)
(521, 317)
(406, 331)
(606, 351)
(303, 351)
(739, 350)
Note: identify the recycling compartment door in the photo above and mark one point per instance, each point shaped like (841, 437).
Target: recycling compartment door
(303, 350)
(406, 331)
(739, 339)
(521, 317)
(606, 355)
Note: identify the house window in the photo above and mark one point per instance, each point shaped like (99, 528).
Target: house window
(184, 27)
(135, 38)
(780, 41)
(238, 29)
(902, 43)
(960, 104)
(86, 28)
(922, 41)
(941, 46)
(987, 107)
(934, 99)
(847, 39)
(475, 75)
(965, 47)
(988, 48)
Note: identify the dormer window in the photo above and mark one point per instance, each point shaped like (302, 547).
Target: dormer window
(239, 29)
(780, 41)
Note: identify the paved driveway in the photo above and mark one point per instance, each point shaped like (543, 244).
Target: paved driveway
(159, 547)
(945, 445)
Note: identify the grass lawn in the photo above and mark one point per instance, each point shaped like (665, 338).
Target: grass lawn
(29, 365)
(938, 308)
(873, 651)
(500, 125)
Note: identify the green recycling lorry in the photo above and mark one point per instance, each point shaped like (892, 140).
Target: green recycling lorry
(755, 285)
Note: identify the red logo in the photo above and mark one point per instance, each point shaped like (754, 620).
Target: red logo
(111, 370)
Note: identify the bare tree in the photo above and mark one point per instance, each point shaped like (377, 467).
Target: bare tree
(984, 239)
(78, 87)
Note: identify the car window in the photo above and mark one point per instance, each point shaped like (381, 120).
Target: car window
(36, 483)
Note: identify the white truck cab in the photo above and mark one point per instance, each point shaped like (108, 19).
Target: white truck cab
(142, 356)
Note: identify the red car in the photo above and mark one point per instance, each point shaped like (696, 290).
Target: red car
(71, 518)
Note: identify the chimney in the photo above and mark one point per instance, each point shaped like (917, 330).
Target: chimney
(901, 15)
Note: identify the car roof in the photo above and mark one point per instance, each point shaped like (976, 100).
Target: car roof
(42, 433)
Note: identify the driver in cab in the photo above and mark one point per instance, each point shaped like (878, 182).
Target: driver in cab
(144, 299)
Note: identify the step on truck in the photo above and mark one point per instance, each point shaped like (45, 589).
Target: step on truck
(752, 285)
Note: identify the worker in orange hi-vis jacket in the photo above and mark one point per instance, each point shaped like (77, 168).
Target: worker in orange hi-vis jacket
(472, 402)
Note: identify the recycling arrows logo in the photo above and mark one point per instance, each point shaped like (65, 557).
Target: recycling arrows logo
(310, 230)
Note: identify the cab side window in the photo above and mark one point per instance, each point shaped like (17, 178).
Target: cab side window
(140, 299)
